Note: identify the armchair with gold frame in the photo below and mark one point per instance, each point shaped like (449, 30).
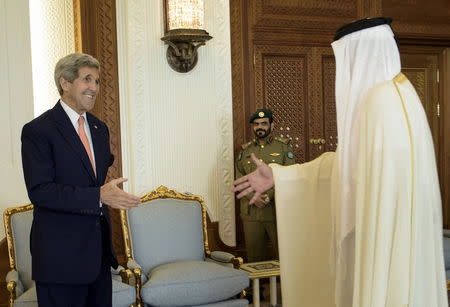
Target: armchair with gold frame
(21, 288)
(166, 243)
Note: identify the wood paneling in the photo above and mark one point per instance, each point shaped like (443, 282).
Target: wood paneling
(281, 84)
(4, 269)
(444, 159)
(419, 19)
(421, 65)
(421, 68)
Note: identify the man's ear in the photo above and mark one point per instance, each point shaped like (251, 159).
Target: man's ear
(64, 84)
(272, 125)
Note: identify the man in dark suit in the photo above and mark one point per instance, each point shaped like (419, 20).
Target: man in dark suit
(66, 156)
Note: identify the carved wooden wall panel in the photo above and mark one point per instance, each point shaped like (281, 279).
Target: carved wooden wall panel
(238, 40)
(420, 65)
(302, 20)
(281, 84)
(419, 18)
(421, 70)
(297, 83)
(329, 103)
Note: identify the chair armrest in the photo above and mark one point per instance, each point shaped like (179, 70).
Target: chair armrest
(221, 256)
(226, 258)
(121, 274)
(14, 285)
(446, 233)
(137, 269)
(139, 278)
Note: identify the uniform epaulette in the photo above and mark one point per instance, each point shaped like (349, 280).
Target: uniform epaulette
(283, 140)
(244, 146)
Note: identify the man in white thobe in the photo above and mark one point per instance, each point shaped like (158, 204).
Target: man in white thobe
(375, 202)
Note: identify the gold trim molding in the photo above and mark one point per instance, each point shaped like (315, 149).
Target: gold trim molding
(77, 26)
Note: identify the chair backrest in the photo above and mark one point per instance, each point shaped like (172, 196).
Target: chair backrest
(168, 226)
(17, 221)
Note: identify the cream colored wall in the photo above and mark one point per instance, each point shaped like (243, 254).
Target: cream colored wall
(177, 128)
(26, 79)
(52, 37)
(16, 105)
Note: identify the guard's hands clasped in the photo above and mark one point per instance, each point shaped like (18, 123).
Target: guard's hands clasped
(259, 181)
(111, 195)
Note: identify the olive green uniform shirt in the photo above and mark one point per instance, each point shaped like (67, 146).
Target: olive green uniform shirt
(275, 150)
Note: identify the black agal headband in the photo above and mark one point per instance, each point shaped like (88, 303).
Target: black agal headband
(360, 25)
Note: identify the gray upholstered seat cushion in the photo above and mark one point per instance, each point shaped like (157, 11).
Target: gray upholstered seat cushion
(188, 283)
(27, 299)
(123, 296)
(229, 303)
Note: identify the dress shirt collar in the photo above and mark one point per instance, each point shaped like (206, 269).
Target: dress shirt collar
(73, 116)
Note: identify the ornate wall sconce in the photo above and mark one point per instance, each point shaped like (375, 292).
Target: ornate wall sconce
(184, 22)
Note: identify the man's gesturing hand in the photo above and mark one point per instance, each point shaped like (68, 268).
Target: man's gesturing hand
(113, 196)
(259, 181)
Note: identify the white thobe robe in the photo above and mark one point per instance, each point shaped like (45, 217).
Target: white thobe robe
(398, 255)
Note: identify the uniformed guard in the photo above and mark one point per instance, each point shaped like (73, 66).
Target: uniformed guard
(259, 219)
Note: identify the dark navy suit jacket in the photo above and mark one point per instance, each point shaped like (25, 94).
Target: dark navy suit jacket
(65, 239)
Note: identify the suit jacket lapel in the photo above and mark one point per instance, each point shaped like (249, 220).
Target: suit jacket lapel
(65, 127)
(98, 139)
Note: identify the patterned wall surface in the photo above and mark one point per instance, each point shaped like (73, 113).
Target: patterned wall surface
(52, 37)
(177, 128)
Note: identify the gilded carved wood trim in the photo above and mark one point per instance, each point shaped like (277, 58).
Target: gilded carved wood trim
(7, 216)
(77, 25)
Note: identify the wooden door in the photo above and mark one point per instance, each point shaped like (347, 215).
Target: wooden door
(422, 70)
(424, 67)
(297, 84)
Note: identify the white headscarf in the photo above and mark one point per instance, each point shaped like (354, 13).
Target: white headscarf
(363, 59)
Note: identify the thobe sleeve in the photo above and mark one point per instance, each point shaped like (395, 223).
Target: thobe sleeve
(302, 195)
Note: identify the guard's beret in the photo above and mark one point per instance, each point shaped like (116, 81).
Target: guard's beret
(261, 113)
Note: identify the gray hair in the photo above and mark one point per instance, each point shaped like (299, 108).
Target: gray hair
(68, 67)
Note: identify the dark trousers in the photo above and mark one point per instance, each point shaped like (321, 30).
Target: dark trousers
(95, 294)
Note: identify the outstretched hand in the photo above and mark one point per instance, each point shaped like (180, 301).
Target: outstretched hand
(113, 196)
(259, 181)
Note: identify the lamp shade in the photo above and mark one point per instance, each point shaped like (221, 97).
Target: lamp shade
(184, 14)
